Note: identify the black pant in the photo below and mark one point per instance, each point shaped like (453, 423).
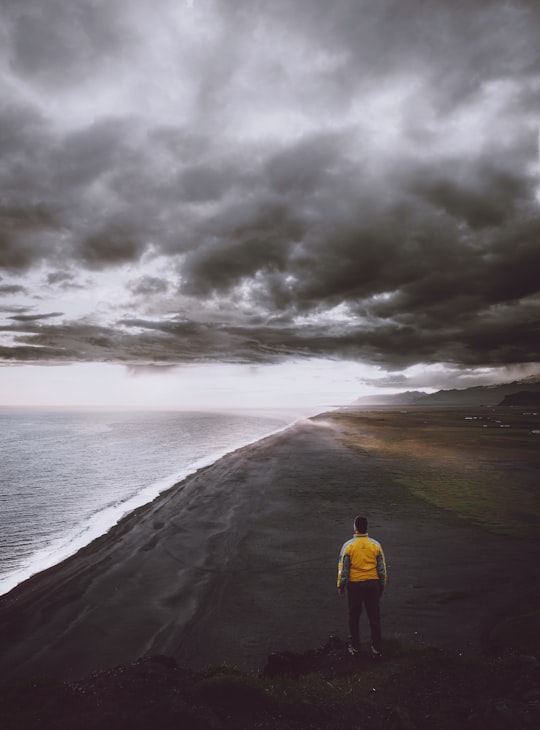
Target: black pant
(364, 593)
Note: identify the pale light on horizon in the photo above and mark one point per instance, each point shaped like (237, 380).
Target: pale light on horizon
(311, 384)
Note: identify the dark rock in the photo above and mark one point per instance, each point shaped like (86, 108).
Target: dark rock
(331, 659)
(322, 689)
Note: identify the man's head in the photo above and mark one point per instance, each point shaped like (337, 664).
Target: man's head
(360, 525)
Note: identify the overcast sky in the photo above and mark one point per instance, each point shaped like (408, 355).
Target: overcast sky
(327, 196)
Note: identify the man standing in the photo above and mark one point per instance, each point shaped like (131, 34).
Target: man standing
(362, 568)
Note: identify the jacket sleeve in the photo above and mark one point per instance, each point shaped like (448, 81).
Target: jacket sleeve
(381, 568)
(344, 567)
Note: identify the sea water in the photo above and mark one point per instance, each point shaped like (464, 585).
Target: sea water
(67, 477)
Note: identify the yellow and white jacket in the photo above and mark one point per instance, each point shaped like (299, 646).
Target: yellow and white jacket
(361, 558)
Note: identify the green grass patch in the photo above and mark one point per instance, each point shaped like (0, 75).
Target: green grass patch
(484, 503)
(473, 468)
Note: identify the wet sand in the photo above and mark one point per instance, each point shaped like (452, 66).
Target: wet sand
(240, 559)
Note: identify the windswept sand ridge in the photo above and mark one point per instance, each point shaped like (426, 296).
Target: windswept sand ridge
(239, 560)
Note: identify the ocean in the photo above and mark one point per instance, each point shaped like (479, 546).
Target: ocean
(67, 477)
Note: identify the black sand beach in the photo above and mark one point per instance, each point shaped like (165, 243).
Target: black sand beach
(239, 560)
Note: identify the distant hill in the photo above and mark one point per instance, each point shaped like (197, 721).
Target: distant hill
(407, 398)
(522, 398)
(481, 395)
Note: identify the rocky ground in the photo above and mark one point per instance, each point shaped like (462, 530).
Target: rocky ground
(323, 689)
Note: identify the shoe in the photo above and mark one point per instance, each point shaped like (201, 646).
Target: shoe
(353, 651)
(375, 653)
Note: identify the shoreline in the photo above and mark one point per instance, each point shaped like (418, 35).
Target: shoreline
(92, 528)
(239, 560)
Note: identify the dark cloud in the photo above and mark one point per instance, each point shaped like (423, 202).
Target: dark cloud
(169, 342)
(148, 285)
(352, 180)
(110, 246)
(479, 194)
(64, 278)
(202, 183)
(23, 230)
(245, 242)
(59, 43)
(89, 155)
(34, 317)
(25, 353)
(6, 289)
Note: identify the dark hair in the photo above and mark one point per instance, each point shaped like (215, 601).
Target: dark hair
(360, 525)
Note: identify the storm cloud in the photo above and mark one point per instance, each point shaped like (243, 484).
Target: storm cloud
(250, 182)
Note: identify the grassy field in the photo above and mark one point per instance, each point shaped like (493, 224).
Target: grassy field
(482, 464)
